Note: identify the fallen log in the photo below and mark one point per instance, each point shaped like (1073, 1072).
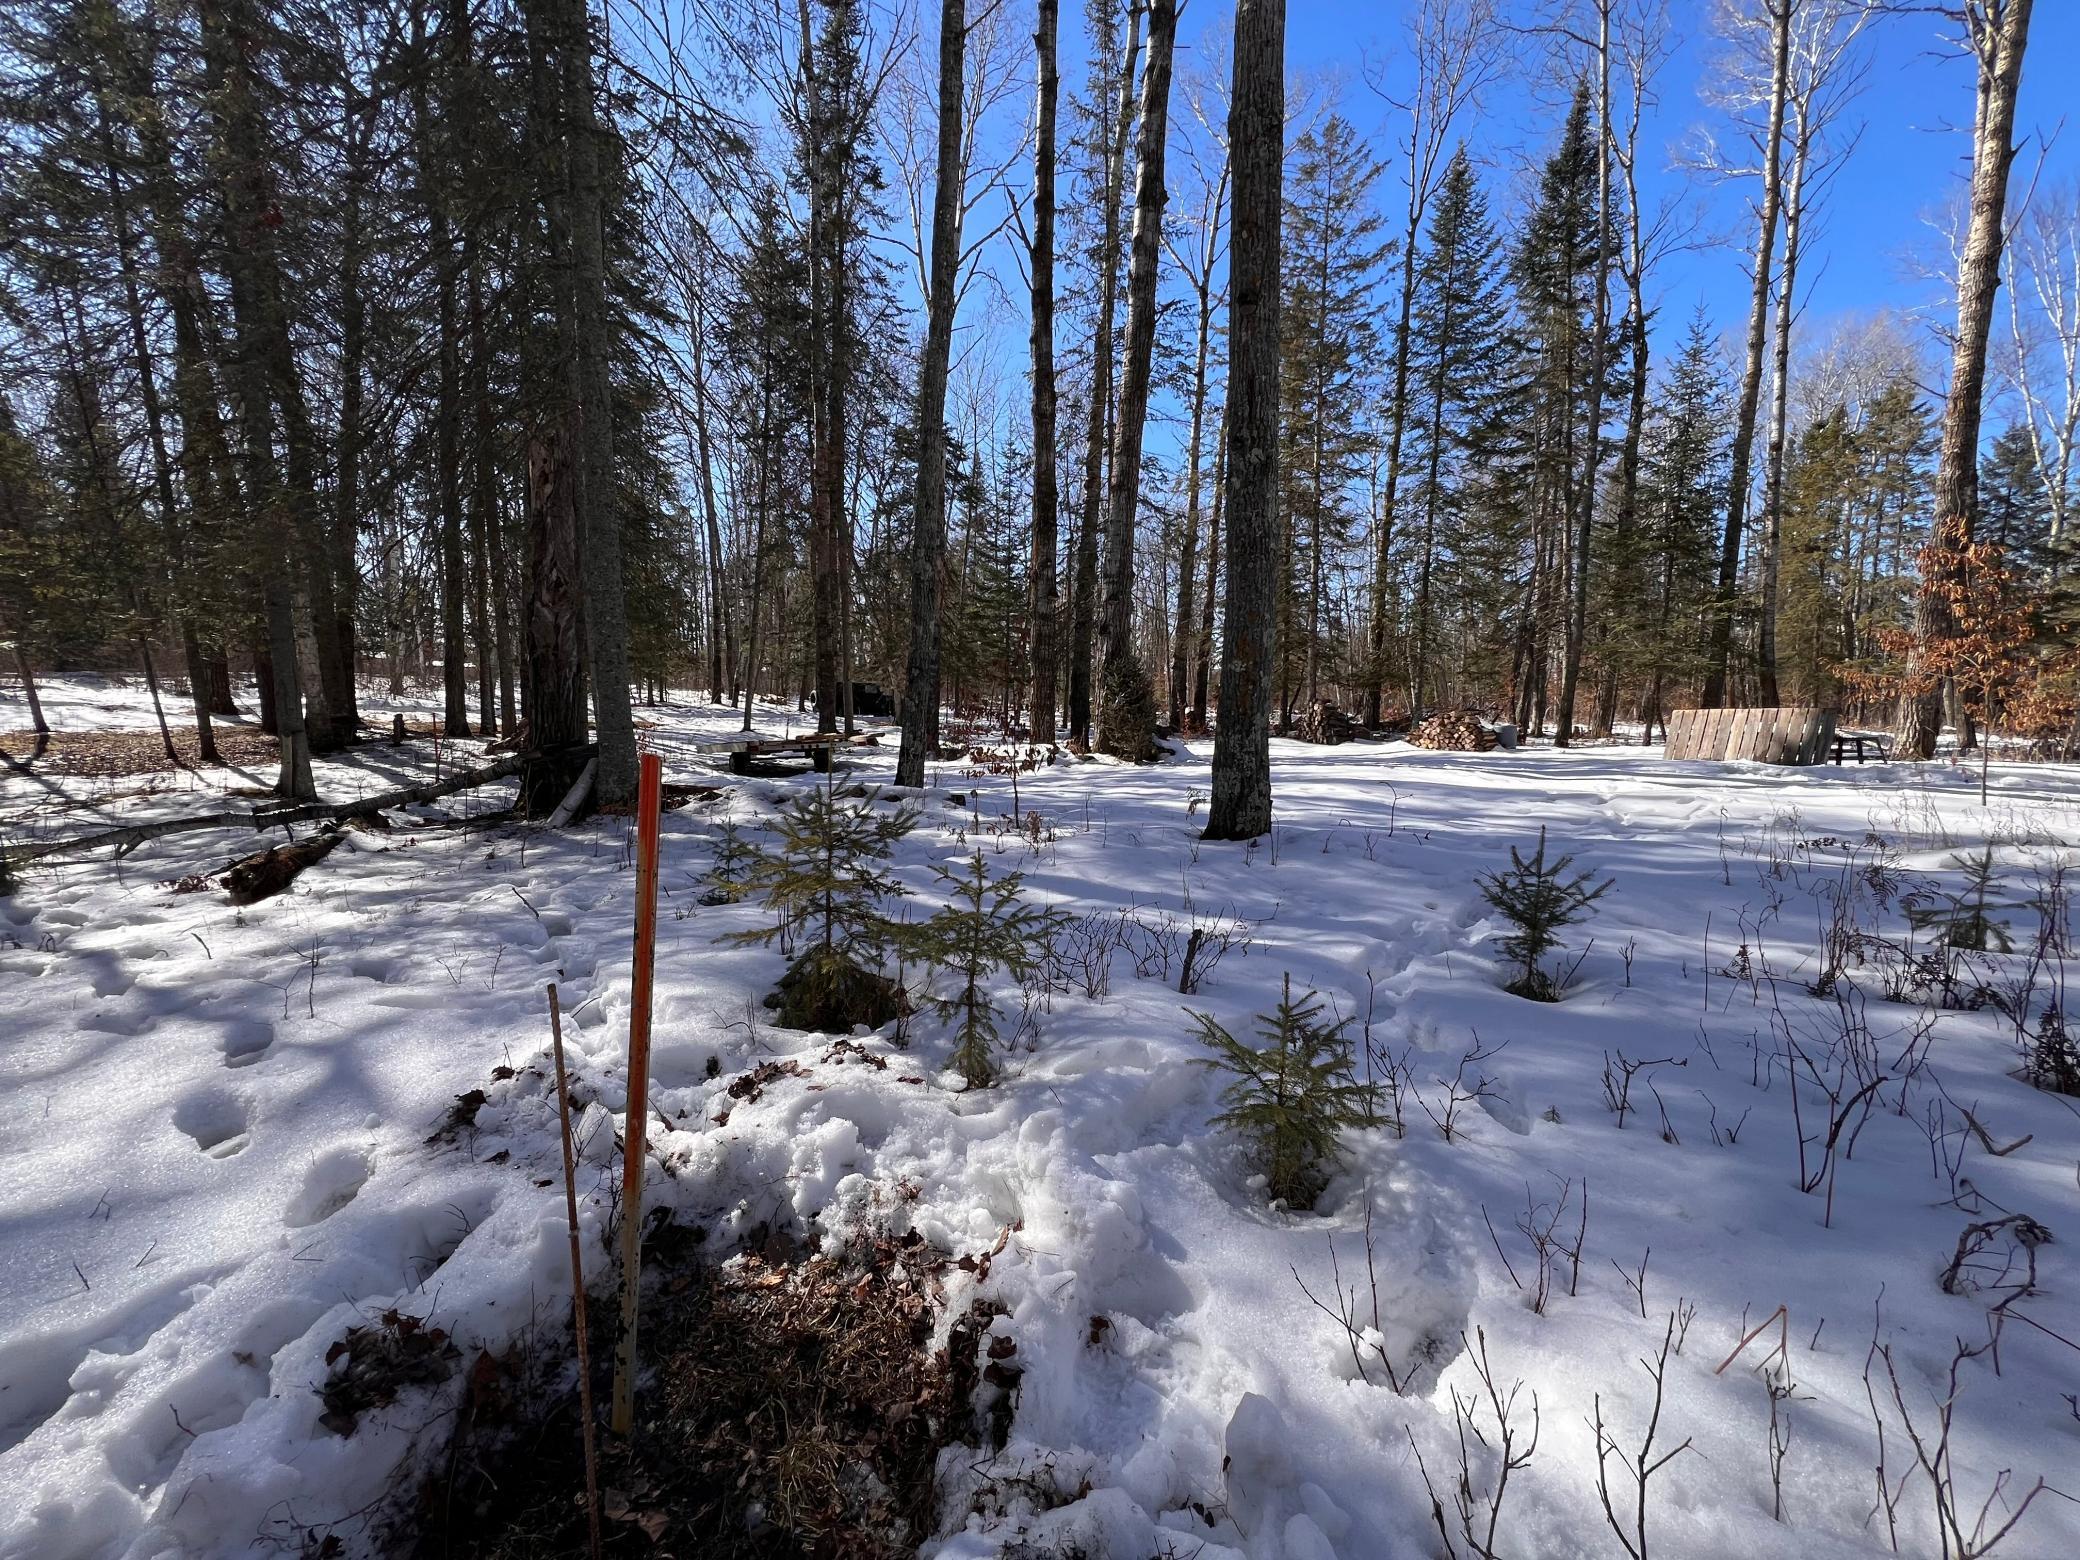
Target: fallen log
(266, 873)
(123, 841)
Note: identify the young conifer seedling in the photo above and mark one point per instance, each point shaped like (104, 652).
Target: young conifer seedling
(825, 884)
(1291, 1096)
(985, 928)
(1539, 898)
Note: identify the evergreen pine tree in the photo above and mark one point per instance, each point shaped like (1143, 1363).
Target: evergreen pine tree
(984, 930)
(1292, 1095)
(1553, 268)
(2014, 505)
(825, 883)
(1539, 899)
(1330, 350)
(1458, 356)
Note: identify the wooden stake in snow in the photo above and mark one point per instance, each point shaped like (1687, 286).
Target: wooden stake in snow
(648, 793)
(570, 1203)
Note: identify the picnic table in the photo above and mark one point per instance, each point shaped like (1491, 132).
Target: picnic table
(1877, 744)
(817, 745)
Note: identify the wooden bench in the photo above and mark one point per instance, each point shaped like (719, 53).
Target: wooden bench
(1877, 743)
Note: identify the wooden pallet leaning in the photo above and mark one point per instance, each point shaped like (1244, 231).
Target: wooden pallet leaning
(1790, 735)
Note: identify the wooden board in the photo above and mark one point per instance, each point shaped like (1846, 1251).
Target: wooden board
(1790, 735)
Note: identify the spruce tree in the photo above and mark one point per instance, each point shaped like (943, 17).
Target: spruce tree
(1330, 352)
(1553, 269)
(1458, 357)
(1539, 899)
(1292, 1095)
(984, 930)
(826, 884)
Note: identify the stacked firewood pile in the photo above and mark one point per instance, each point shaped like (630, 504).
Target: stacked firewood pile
(1453, 731)
(1324, 722)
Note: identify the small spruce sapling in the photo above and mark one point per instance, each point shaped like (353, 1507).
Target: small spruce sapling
(984, 929)
(1966, 919)
(1538, 898)
(825, 885)
(1291, 1096)
(730, 872)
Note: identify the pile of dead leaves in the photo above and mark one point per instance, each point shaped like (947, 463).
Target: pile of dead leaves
(108, 754)
(791, 1406)
(372, 1364)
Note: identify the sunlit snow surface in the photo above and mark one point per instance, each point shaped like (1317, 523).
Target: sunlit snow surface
(214, 1155)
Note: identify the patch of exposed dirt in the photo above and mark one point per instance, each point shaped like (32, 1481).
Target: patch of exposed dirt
(791, 1406)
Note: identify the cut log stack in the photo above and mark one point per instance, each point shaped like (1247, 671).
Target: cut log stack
(1323, 722)
(1453, 731)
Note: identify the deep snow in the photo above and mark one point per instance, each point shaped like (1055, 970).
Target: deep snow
(216, 1157)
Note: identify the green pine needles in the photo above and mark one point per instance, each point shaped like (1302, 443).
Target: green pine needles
(982, 930)
(1539, 898)
(729, 874)
(825, 884)
(1967, 919)
(1292, 1095)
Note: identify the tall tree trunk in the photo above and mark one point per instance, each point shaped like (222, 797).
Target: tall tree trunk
(1045, 568)
(1738, 478)
(170, 521)
(722, 634)
(1240, 805)
(1187, 558)
(245, 178)
(1203, 656)
(483, 497)
(592, 343)
(205, 456)
(550, 629)
(1779, 415)
(826, 391)
(1998, 32)
(1098, 431)
(359, 132)
(1583, 521)
(1127, 718)
(436, 184)
(928, 521)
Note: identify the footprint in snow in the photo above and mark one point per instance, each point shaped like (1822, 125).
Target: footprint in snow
(246, 1040)
(216, 1121)
(333, 1180)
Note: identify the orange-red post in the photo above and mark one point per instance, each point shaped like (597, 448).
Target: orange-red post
(649, 792)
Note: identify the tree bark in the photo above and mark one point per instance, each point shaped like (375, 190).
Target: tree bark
(1721, 650)
(1046, 591)
(928, 521)
(550, 630)
(1240, 804)
(1098, 431)
(1998, 33)
(1779, 415)
(1128, 735)
(594, 329)
(1202, 671)
(250, 215)
(1187, 559)
(1583, 519)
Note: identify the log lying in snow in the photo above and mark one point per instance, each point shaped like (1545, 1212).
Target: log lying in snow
(123, 841)
(266, 873)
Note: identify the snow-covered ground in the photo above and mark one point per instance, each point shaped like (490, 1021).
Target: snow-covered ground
(229, 1137)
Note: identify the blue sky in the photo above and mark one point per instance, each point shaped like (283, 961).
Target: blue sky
(1913, 154)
